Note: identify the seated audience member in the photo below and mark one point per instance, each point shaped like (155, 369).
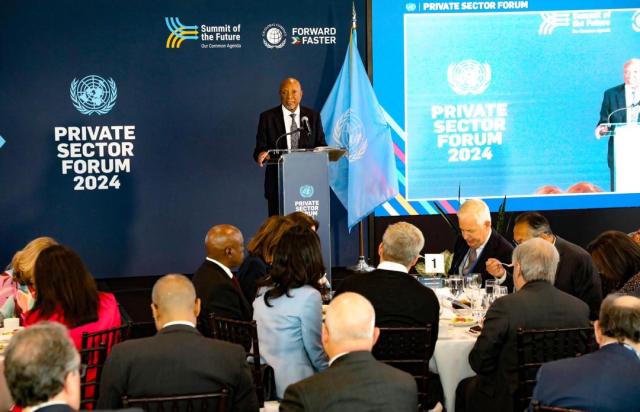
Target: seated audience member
(355, 380)
(607, 380)
(17, 294)
(67, 293)
(479, 248)
(617, 258)
(576, 274)
(215, 285)
(288, 309)
(260, 254)
(303, 219)
(42, 369)
(536, 304)
(178, 360)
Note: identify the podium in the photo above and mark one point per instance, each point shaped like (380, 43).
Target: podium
(303, 185)
(626, 167)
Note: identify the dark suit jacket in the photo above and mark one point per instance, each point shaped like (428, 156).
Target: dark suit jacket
(219, 295)
(578, 276)
(270, 127)
(354, 382)
(397, 298)
(252, 270)
(605, 381)
(612, 100)
(497, 247)
(538, 305)
(178, 360)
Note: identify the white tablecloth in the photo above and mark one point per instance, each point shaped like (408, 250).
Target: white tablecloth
(451, 358)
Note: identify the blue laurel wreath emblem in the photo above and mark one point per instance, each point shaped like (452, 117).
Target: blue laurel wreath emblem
(306, 191)
(93, 94)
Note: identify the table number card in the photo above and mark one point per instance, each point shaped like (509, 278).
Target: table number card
(434, 263)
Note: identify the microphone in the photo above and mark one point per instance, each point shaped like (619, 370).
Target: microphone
(305, 122)
(621, 109)
(299, 129)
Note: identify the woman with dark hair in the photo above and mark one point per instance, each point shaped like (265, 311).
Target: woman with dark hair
(260, 249)
(288, 309)
(617, 258)
(303, 219)
(67, 293)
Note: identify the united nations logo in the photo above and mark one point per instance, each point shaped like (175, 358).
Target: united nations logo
(469, 77)
(635, 21)
(411, 7)
(274, 36)
(306, 191)
(349, 132)
(93, 94)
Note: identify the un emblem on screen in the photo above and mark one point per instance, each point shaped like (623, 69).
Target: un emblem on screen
(469, 77)
(306, 191)
(349, 132)
(93, 94)
(274, 36)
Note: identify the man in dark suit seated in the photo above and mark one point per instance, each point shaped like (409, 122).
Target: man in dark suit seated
(215, 285)
(355, 380)
(288, 117)
(606, 380)
(178, 360)
(480, 249)
(576, 274)
(536, 304)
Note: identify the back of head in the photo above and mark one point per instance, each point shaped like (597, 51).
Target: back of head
(402, 243)
(174, 299)
(476, 209)
(225, 244)
(616, 256)
(350, 321)
(63, 282)
(538, 224)
(297, 261)
(264, 242)
(620, 318)
(303, 219)
(37, 362)
(24, 261)
(538, 260)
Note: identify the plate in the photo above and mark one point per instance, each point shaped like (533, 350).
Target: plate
(463, 321)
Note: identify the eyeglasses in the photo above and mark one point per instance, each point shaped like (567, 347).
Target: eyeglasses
(82, 370)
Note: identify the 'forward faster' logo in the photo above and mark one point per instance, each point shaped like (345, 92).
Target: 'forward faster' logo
(179, 32)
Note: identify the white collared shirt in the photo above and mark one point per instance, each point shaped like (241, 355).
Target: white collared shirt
(226, 269)
(44, 405)
(632, 96)
(287, 122)
(178, 322)
(398, 267)
(339, 355)
(479, 250)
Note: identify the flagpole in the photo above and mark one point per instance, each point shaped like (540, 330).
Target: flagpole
(361, 265)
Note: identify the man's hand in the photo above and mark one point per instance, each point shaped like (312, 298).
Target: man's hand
(495, 269)
(262, 157)
(601, 130)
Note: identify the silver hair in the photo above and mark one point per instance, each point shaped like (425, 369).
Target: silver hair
(37, 362)
(477, 209)
(538, 260)
(632, 61)
(402, 243)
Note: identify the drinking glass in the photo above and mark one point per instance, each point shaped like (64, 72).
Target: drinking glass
(455, 284)
(500, 291)
(489, 285)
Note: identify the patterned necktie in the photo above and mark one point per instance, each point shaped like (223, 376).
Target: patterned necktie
(471, 261)
(295, 136)
(632, 115)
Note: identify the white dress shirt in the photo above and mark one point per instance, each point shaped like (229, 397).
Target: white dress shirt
(632, 96)
(287, 122)
(223, 267)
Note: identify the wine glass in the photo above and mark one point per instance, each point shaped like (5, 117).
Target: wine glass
(455, 285)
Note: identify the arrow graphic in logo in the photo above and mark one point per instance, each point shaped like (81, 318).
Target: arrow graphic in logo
(2, 141)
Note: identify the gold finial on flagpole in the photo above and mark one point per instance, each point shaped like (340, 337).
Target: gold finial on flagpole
(354, 20)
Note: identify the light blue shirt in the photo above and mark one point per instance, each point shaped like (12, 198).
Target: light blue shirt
(289, 335)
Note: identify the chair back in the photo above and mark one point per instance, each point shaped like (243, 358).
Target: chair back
(106, 337)
(207, 402)
(245, 333)
(535, 347)
(408, 349)
(536, 407)
(92, 359)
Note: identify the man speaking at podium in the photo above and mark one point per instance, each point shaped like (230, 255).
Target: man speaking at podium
(287, 126)
(620, 105)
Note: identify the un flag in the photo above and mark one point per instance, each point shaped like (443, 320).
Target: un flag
(353, 118)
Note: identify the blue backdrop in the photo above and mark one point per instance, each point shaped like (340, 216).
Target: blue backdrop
(191, 114)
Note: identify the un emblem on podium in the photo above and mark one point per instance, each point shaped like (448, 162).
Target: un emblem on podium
(306, 191)
(93, 94)
(469, 77)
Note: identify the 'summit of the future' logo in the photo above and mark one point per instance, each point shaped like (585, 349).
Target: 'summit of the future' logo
(552, 20)
(93, 94)
(179, 32)
(469, 77)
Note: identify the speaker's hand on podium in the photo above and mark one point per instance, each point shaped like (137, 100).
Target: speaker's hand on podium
(601, 130)
(262, 157)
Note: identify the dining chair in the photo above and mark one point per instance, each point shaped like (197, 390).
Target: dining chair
(408, 349)
(106, 337)
(245, 333)
(91, 360)
(537, 346)
(206, 402)
(536, 407)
